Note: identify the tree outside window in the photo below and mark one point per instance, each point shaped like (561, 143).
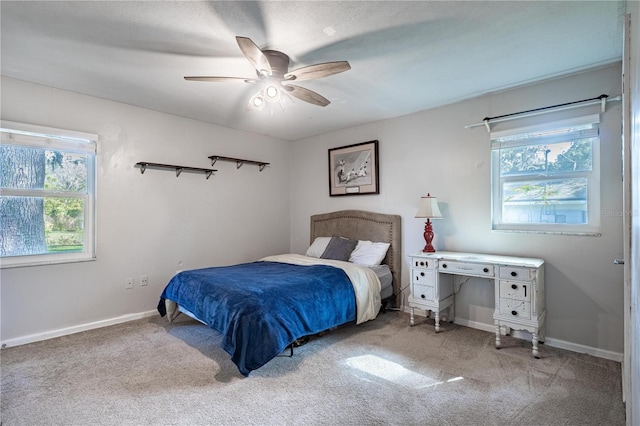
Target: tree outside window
(47, 197)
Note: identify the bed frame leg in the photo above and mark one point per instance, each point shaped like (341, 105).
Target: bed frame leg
(283, 353)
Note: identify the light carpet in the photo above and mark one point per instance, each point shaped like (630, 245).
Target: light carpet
(383, 372)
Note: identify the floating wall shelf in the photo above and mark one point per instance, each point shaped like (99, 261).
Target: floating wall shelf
(239, 161)
(144, 165)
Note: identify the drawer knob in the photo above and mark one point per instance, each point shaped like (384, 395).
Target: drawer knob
(486, 270)
(422, 274)
(444, 266)
(513, 286)
(421, 263)
(514, 274)
(423, 296)
(514, 313)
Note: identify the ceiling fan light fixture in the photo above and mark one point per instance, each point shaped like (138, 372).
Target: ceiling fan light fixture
(257, 101)
(272, 93)
(272, 69)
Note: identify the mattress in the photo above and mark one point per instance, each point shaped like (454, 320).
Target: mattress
(386, 280)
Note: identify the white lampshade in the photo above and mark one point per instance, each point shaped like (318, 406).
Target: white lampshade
(429, 208)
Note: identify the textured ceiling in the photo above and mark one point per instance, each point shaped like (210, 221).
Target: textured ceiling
(405, 56)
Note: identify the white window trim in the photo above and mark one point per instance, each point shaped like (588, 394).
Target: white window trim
(22, 134)
(593, 225)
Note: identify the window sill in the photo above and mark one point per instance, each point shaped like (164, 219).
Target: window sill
(8, 264)
(568, 233)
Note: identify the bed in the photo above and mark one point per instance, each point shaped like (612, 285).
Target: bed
(261, 308)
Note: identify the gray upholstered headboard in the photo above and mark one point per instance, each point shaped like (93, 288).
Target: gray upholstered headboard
(364, 225)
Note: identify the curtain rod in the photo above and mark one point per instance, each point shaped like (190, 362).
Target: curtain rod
(602, 100)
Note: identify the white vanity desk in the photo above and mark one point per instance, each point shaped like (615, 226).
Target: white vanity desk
(518, 282)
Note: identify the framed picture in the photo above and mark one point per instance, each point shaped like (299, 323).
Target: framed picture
(353, 169)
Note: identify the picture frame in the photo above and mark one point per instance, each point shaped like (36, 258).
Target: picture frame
(354, 169)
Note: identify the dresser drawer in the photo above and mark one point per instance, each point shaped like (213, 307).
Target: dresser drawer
(465, 268)
(425, 293)
(516, 273)
(515, 308)
(423, 276)
(515, 290)
(419, 262)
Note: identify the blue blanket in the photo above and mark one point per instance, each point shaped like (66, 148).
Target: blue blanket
(260, 308)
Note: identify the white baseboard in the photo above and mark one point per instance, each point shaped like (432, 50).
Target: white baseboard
(589, 350)
(75, 329)
(491, 328)
(556, 343)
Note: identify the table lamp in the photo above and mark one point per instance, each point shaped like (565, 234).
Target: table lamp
(428, 208)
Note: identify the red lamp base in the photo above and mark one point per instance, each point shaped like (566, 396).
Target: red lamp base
(428, 237)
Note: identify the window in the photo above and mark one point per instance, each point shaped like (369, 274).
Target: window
(546, 178)
(47, 195)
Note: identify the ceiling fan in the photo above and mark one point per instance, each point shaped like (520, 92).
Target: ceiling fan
(272, 69)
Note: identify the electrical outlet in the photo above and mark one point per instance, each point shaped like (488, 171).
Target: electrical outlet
(144, 280)
(129, 283)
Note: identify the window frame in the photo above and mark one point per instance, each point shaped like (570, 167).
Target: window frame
(592, 227)
(34, 136)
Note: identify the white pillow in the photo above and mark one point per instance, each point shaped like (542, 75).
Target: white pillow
(368, 253)
(318, 247)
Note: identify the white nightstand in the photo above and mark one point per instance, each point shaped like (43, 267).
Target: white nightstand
(428, 291)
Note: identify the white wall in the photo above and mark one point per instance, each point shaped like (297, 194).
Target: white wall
(431, 151)
(155, 224)
(151, 224)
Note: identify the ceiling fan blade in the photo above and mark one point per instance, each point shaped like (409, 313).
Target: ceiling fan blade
(254, 55)
(219, 79)
(306, 95)
(317, 71)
